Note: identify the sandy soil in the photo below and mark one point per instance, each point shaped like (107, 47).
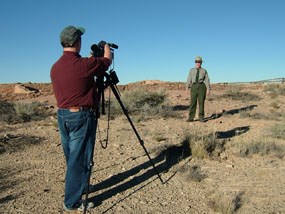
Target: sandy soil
(32, 166)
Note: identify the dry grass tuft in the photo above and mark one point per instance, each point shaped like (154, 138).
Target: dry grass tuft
(235, 93)
(272, 115)
(274, 90)
(278, 131)
(261, 147)
(225, 203)
(193, 173)
(204, 146)
(7, 112)
(264, 145)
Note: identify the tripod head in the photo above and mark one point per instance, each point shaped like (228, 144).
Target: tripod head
(111, 78)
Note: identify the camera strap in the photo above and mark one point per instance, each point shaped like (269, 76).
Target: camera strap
(104, 146)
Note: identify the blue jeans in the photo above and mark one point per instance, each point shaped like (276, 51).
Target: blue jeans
(78, 133)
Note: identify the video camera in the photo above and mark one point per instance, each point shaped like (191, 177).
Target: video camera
(98, 49)
(111, 77)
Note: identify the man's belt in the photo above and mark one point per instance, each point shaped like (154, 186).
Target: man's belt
(77, 109)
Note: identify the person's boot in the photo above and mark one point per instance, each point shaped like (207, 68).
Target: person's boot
(189, 120)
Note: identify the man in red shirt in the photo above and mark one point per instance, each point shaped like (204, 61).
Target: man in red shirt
(72, 78)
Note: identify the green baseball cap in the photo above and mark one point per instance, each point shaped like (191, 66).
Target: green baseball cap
(199, 59)
(70, 34)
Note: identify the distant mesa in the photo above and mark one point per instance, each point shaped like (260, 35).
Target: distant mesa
(149, 82)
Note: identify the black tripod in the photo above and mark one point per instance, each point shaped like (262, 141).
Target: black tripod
(111, 80)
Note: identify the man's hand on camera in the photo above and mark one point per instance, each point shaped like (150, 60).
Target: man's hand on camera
(102, 44)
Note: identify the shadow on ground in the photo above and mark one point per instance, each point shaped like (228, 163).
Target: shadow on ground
(165, 160)
(218, 115)
(232, 133)
(13, 143)
(231, 112)
(8, 175)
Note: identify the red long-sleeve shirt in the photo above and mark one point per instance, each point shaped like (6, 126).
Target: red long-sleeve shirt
(72, 78)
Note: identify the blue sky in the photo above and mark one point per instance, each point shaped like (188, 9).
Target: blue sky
(239, 40)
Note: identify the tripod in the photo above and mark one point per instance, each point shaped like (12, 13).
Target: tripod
(111, 81)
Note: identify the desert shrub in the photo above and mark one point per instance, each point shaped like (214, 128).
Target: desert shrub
(242, 96)
(225, 203)
(273, 95)
(274, 90)
(234, 89)
(7, 112)
(278, 130)
(282, 90)
(144, 104)
(204, 146)
(258, 115)
(264, 146)
(192, 173)
(260, 147)
(271, 88)
(30, 111)
(276, 115)
(274, 105)
(273, 115)
(198, 150)
(278, 88)
(22, 112)
(255, 115)
(235, 93)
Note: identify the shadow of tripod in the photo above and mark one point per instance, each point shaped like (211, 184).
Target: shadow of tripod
(165, 160)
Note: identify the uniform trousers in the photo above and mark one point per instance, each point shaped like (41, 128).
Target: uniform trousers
(198, 93)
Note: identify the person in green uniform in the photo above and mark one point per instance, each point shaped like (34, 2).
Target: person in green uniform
(199, 84)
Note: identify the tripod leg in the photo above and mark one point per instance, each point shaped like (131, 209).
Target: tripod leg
(134, 129)
(87, 187)
(90, 167)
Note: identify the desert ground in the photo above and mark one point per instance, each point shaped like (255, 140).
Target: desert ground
(242, 170)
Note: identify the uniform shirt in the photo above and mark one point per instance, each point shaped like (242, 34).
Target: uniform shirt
(72, 78)
(203, 77)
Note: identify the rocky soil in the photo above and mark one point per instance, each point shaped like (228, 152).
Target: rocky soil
(32, 165)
